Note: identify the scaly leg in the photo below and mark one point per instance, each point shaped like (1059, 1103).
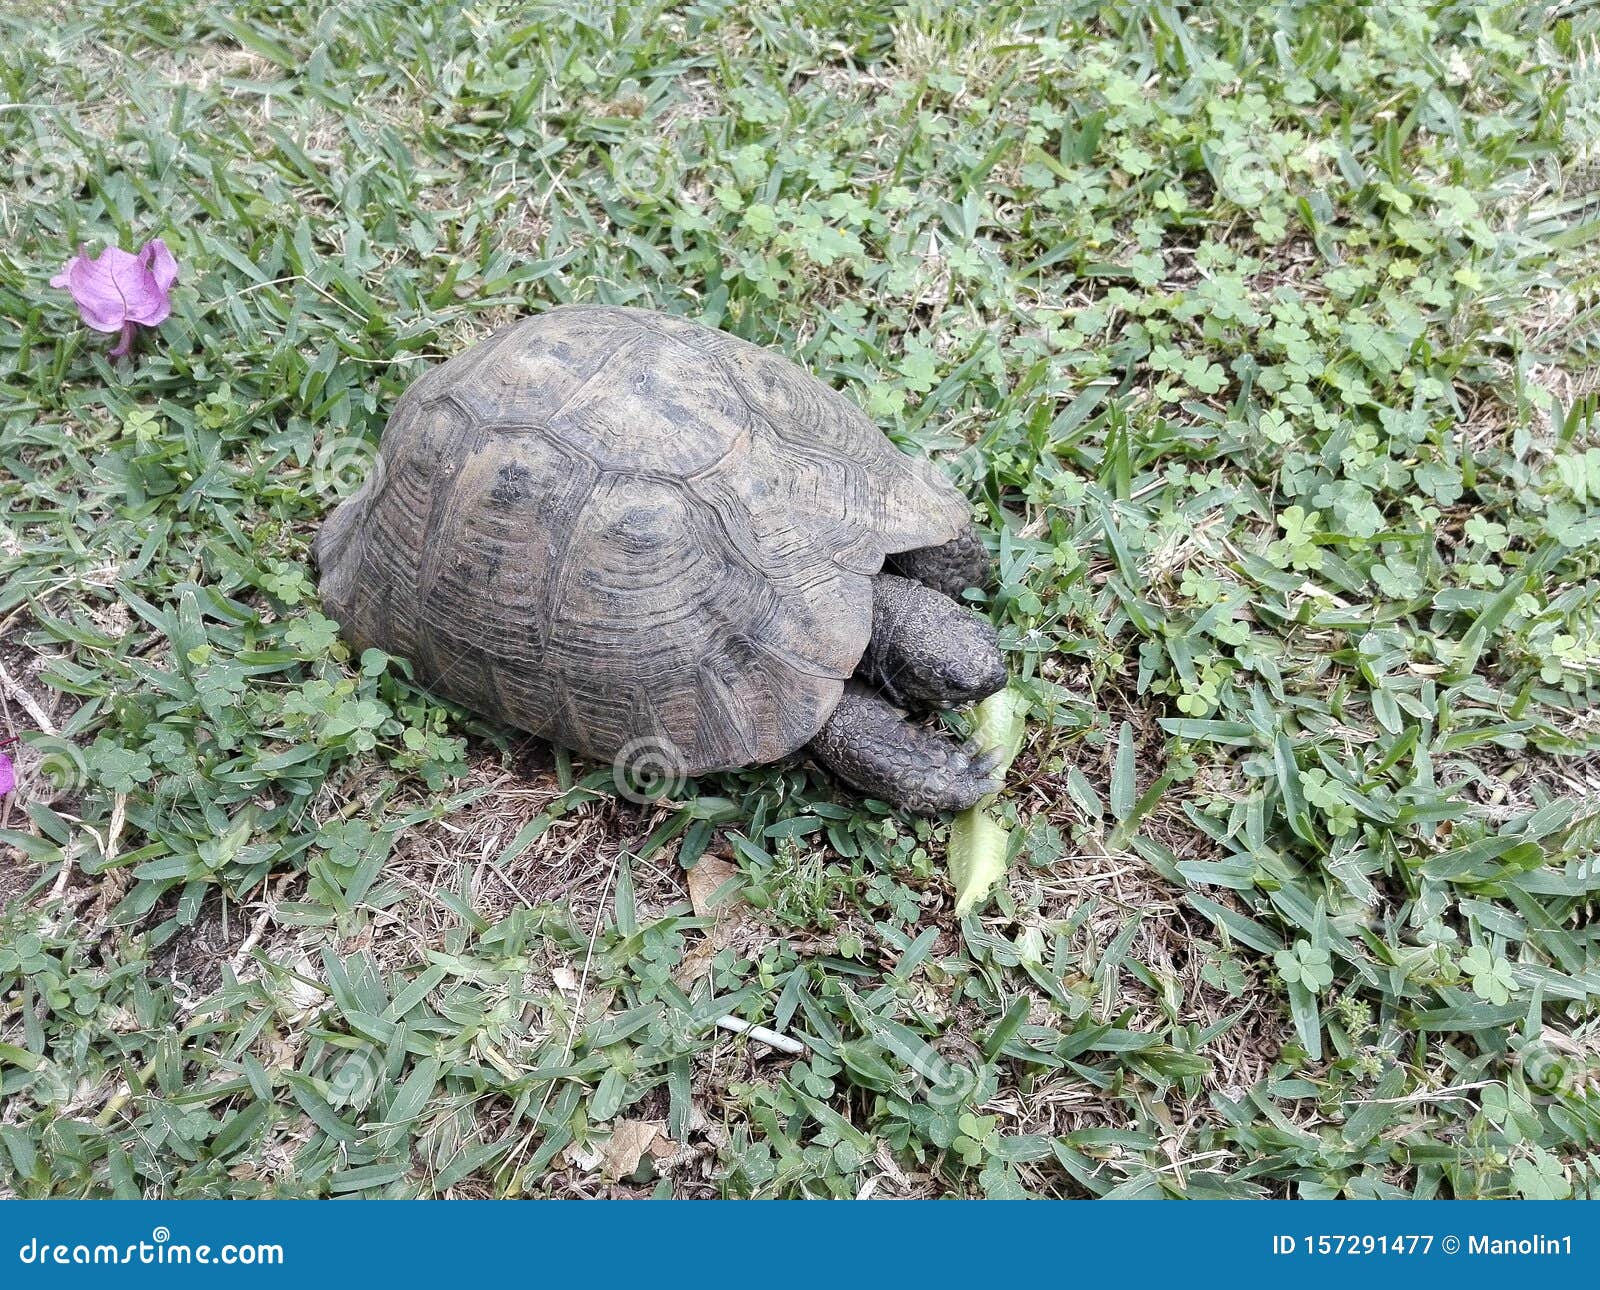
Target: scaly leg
(869, 743)
(960, 563)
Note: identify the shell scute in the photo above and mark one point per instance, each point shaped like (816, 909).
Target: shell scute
(604, 524)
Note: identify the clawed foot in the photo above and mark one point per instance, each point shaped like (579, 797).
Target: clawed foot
(869, 743)
(968, 775)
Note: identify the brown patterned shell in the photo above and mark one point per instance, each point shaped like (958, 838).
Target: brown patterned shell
(608, 525)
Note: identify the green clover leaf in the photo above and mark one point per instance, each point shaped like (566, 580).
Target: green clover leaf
(1305, 965)
(1541, 1178)
(1491, 975)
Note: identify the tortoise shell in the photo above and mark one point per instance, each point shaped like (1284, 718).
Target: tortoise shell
(607, 525)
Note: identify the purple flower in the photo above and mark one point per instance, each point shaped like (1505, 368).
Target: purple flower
(117, 291)
(8, 772)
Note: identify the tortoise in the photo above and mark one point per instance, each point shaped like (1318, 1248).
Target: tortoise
(654, 543)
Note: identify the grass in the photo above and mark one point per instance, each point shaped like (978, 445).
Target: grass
(1262, 341)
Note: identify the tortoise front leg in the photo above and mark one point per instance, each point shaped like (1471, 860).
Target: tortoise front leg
(869, 744)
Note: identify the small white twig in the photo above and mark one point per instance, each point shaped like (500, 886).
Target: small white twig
(66, 872)
(269, 908)
(769, 1037)
(15, 690)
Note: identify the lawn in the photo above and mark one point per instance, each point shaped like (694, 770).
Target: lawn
(1262, 342)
